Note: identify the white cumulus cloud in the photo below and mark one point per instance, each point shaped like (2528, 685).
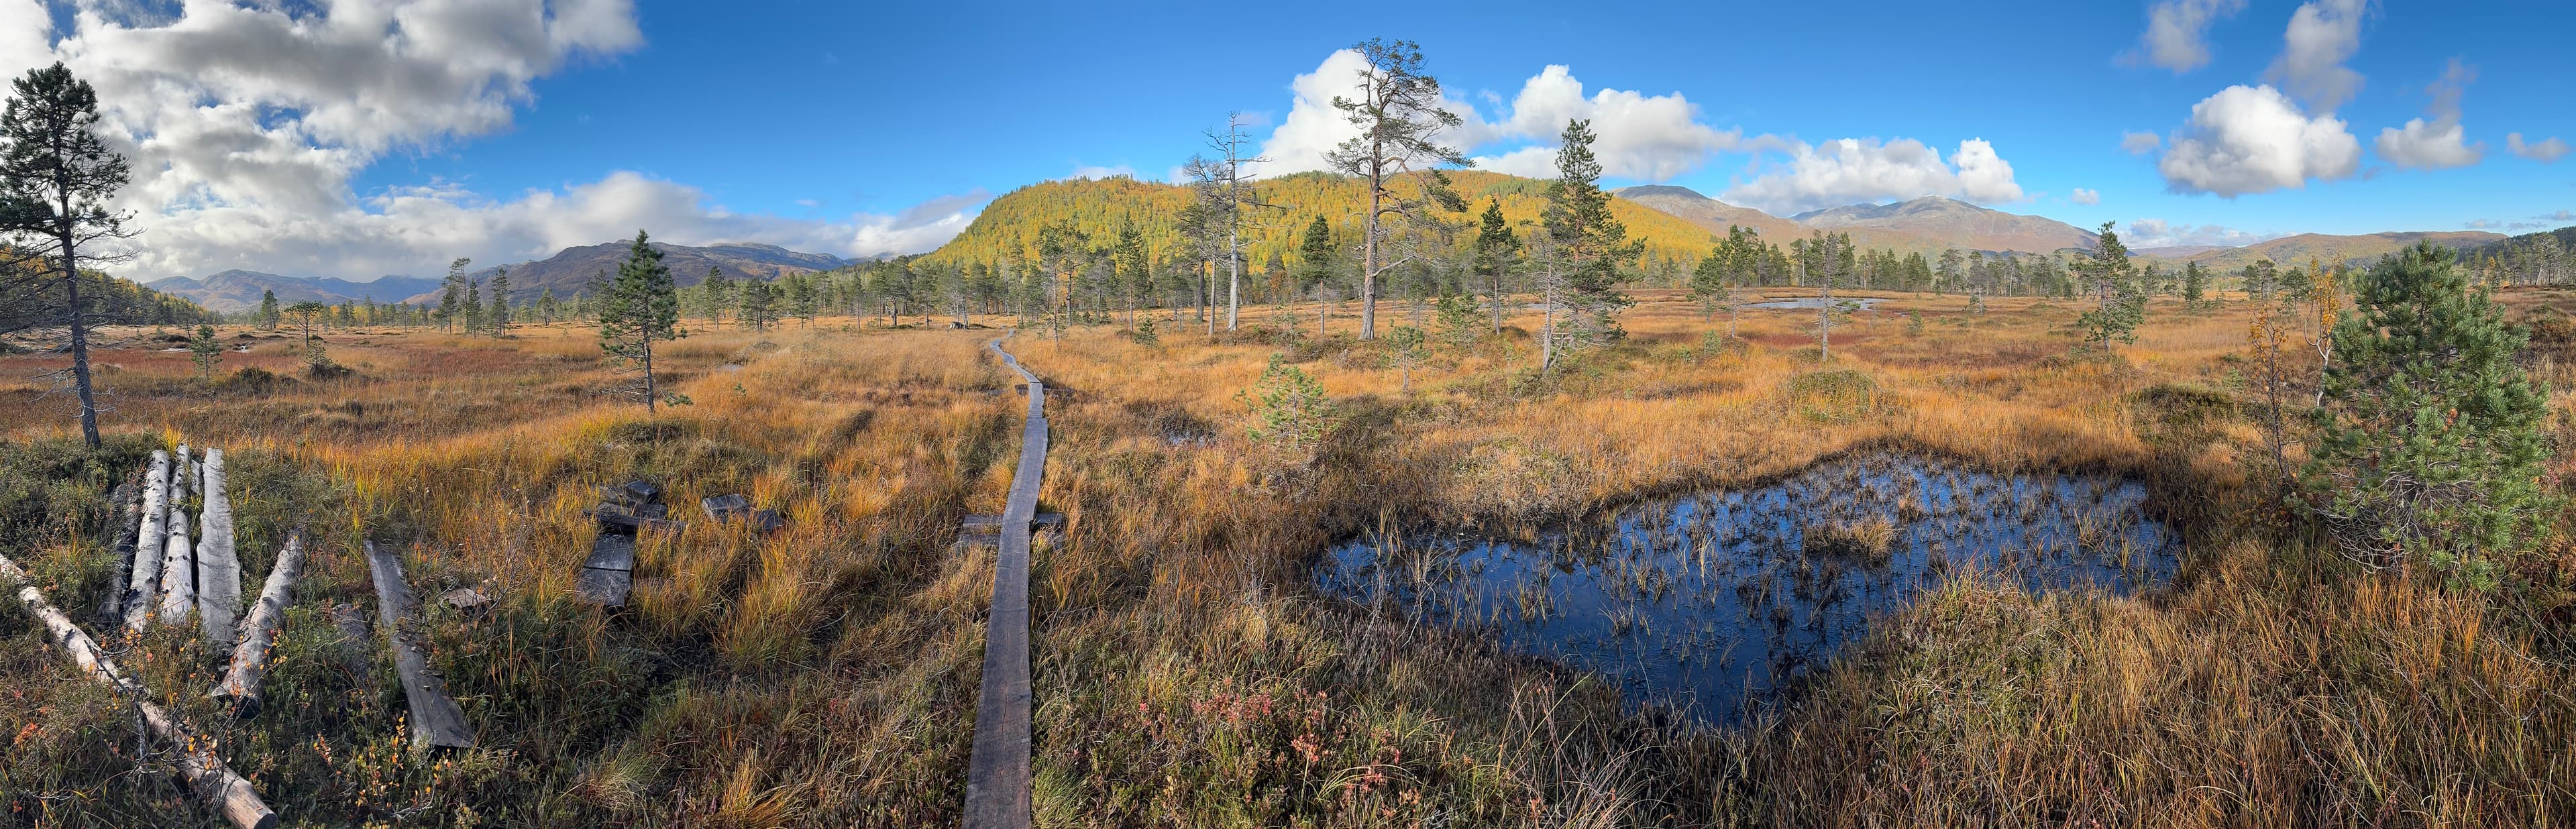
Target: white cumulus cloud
(2253, 139)
(2545, 150)
(2322, 36)
(1850, 170)
(246, 124)
(2085, 197)
(2140, 143)
(1637, 136)
(2176, 31)
(2158, 233)
(2438, 143)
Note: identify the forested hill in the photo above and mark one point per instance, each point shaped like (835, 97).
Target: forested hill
(33, 305)
(1007, 231)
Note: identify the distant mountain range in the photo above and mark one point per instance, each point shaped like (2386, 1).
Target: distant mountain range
(240, 290)
(566, 272)
(569, 271)
(1927, 225)
(2362, 249)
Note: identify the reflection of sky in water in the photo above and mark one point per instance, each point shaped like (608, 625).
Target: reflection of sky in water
(1707, 602)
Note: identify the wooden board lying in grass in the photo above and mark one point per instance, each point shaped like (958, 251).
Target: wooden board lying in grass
(997, 773)
(435, 719)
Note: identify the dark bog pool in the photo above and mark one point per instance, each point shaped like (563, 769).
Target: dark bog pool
(1712, 603)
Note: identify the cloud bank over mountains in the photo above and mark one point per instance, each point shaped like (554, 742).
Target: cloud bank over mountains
(1650, 138)
(246, 127)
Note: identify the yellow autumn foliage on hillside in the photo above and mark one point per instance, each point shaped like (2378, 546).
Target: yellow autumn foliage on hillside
(1007, 230)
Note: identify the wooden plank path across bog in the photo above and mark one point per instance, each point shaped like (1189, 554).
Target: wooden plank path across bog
(997, 775)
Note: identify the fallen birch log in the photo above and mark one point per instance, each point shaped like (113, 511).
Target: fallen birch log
(241, 685)
(204, 772)
(435, 719)
(145, 584)
(218, 566)
(178, 569)
(124, 523)
(183, 477)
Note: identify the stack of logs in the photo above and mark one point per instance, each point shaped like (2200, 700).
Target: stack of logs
(170, 572)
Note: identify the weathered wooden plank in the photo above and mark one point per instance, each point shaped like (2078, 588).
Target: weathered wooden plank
(178, 568)
(145, 583)
(241, 684)
(205, 774)
(123, 526)
(603, 587)
(988, 522)
(997, 772)
(721, 507)
(435, 720)
(219, 601)
(614, 520)
(612, 552)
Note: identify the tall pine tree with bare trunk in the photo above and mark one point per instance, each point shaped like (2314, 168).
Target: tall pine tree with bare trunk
(1400, 119)
(56, 177)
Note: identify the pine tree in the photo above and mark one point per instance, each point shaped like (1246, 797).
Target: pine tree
(716, 294)
(2195, 284)
(1589, 244)
(473, 306)
(451, 291)
(1708, 282)
(548, 306)
(1497, 248)
(758, 309)
(57, 178)
(2119, 306)
(2432, 436)
(205, 351)
(1400, 115)
(1315, 255)
(306, 314)
(268, 309)
(642, 305)
(498, 319)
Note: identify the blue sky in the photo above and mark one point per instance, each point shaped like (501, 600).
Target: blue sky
(845, 127)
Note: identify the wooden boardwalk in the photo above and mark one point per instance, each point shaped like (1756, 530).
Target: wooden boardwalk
(997, 776)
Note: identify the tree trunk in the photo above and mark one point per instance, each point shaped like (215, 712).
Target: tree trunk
(1547, 330)
(126, 522)
(435, 719)
(178, 569)
(80, 345)
(1368, 256)
(205, 773)
(241, 683)
(183, 477)
(145, 582)
(218, 567)
(649, 391)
